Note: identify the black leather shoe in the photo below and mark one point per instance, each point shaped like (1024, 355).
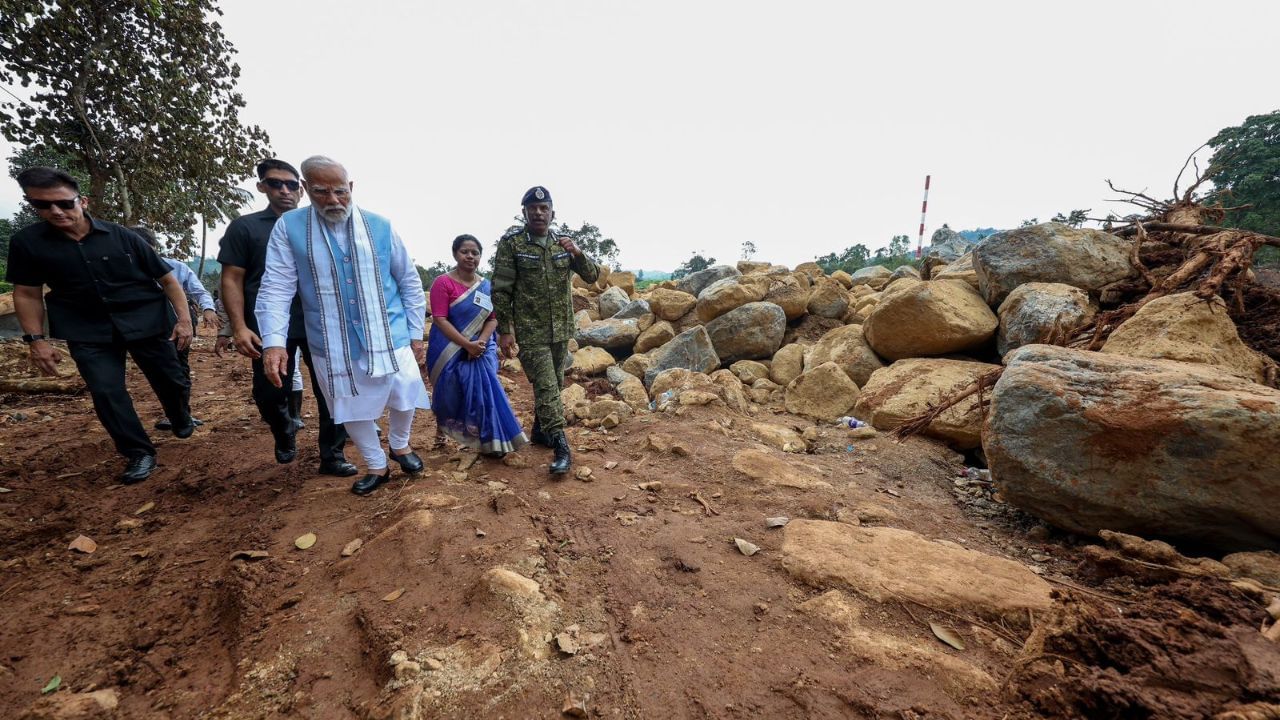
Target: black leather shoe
(338, 468)
(370, 482)
(286, 447)
(409, 462)
(138, 469)
(563, 459)
(183, 431)
(537, 437)
(164, 424)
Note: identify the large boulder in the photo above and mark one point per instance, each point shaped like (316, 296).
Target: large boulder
(1184, 327)
(635, 309)
(592, 361)
(609, 334)
(1040, 312)
(787, 364)
(1091, 441)
(638, 364)
(748, 332)
(748, 267)
(829, 298)
(843, 278)
(823, 393)
(1051, 253)
(749, 371)
(847, 347)
(695, 283)
(785, 292)
(887, 564)
(691, 349)
(657, 335)
(908, 388)
(877, 276)
(961, 269)
(812, 269)
(624, 281)
(724, 295)
(948, 244)
(671, 305)
(612, 300)
(931, 317)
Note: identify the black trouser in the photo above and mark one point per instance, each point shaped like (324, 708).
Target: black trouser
(273, 403)
(102, 367)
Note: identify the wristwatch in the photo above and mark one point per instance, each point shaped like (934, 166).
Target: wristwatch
(28, 339)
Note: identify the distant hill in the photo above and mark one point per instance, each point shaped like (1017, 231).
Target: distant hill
(977, 234)
(652, 274)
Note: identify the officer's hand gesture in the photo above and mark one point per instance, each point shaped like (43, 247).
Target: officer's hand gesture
(567, 243)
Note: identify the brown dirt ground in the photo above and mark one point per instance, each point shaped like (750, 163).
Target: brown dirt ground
(687, 626)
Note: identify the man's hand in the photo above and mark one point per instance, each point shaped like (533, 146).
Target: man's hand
(223, 342)
(275, 361)
(182, 332)
(212, 320)
(419, 349)
(44, 357)
(567, 243)
(507, 344)
(247, 343)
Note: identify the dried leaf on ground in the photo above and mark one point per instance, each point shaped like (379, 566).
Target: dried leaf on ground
(350, 548)
(393, 596)
(947, 635)
(83, 544)
(144, 508)
(305, 541)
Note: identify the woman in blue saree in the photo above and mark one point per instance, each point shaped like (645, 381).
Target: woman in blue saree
(462, 358)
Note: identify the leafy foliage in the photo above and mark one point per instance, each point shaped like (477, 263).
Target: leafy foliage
(748, 250)
(428, 275)
(852, 258)
(1075, 218)
(1245, 169)
(140, 97)
(588, 237)
(692, 265)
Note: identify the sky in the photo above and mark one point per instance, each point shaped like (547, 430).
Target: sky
(692, 126)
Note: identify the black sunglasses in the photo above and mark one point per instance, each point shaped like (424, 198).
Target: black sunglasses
(276, 184)
(46, 204)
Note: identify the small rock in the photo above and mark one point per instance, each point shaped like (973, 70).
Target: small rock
(761, 608)
(480, 533)
(407, 669)
(654, 486)
(611, 465)
(745, 547)
(398, 657)
(574, 706)
(566, 644)
(352, 547)
(433, 664)
(1040, 557)
(515, 460)
(584, 474)
(83, 544)
(129, 524)
(459, 476)
(776, 522)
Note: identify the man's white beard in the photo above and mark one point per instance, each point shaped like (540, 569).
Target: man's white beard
(336, 215)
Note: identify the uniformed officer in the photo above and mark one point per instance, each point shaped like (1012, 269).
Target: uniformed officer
(533, 298)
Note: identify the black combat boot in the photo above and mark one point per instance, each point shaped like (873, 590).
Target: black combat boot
(537, 437)
(295, 408)
(286, 444)
(563, 460)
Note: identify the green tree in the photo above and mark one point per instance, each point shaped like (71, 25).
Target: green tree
(1029, 222)
(851, 259)
(588, 237)
(1245, 169)
(141, 95)
(1075, 219)
(692, 265)
(428, 275)
(748, 250)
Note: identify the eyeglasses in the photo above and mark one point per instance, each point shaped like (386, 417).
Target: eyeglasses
(326, 192)
(277, 183)
(46, 204)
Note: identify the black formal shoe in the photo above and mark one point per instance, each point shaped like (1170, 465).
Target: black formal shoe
(138, 469)
(563, 460)
(286, 447)
(537, 437)
(409, 462)
(370, 482)
(165, 424)
(183, 431)
(337, 468)
(295, 408)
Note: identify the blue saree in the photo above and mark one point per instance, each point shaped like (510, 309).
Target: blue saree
(469, 402)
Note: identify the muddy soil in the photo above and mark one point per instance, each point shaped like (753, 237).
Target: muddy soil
(469, 584)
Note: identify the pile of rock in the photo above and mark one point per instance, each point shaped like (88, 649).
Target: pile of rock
(1169, 429)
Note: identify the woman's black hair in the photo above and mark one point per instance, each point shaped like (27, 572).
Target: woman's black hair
(457, 242)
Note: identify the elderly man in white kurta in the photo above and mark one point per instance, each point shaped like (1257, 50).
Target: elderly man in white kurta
(365, 311)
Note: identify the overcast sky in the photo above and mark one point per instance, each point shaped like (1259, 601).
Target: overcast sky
(804, 127)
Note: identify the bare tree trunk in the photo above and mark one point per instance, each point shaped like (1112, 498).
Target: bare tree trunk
(204, 231)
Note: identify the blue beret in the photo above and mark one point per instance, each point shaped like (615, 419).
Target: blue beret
(536, 194)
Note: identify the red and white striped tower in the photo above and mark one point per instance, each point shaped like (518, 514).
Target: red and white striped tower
(924, 207)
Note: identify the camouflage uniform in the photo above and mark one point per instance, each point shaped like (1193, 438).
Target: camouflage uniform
(533, 296)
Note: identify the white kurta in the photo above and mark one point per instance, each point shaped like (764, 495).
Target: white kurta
(401, 391)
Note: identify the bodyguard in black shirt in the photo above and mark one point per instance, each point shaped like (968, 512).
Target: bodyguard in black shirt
(109, 294)
(243, 254)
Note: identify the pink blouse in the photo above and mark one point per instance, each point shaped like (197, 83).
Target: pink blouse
(444, 290)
